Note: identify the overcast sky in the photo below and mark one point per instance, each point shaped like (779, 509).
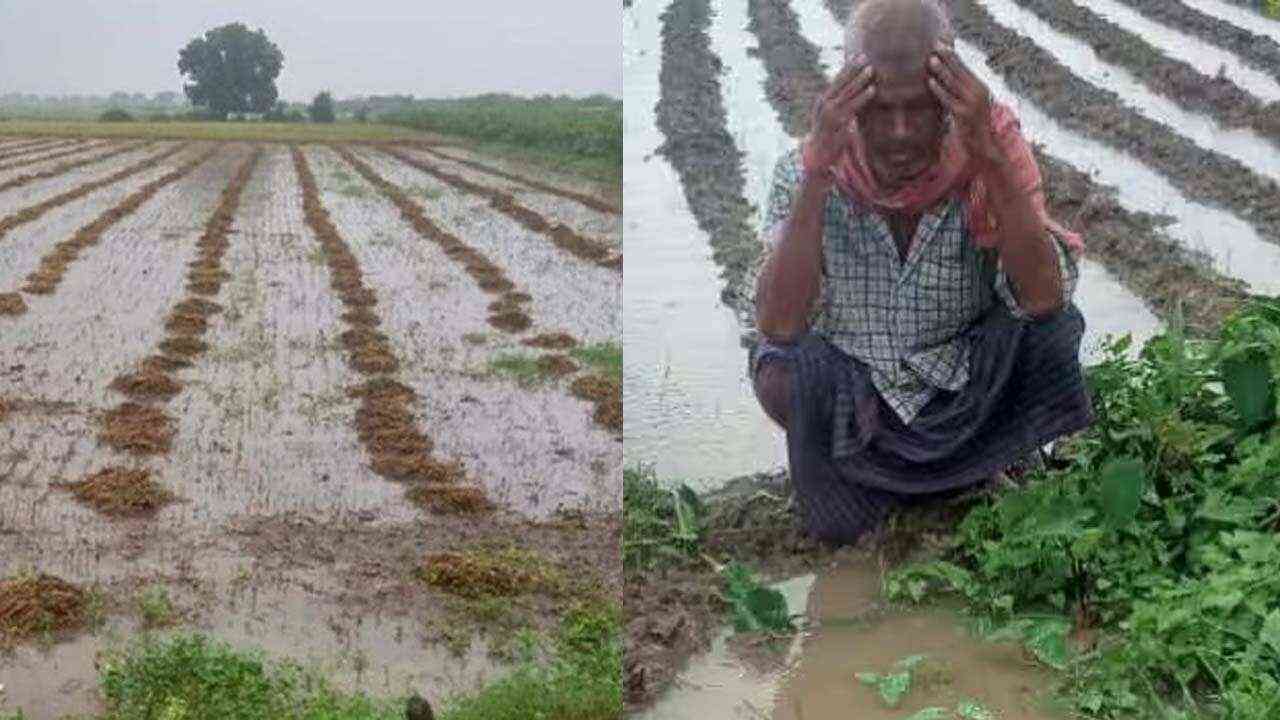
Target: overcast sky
(430, 48)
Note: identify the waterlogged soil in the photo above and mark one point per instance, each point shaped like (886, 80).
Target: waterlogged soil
(692, 118)
(279, 533)
(1258, 51)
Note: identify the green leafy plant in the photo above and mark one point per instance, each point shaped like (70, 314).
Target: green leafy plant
(660, 524)
(754, 606)
(892, 686)
(1158, 540)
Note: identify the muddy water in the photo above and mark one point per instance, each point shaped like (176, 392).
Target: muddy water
(1240, 17)
(1238, 144)
(690, 410)
(1204, 57)
(724, 683)
(851, 636)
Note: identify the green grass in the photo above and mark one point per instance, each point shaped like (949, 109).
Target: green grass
(604, 358)
(518, 366)
(574, 675)
(156, 608)
(226, 131)
(583, 136)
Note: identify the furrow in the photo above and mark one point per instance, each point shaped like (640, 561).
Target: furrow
(508, 313)
(692, 119)
(589, 201)
(566, 238)
(1257, 51)
(1201, 175)
(56, 156)
(1194, 91)
(35, 212)
(385, 425)
(36, 147)
(53, 266)
(138, 426)
(67, 167)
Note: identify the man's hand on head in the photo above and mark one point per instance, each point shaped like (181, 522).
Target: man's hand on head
(832, 129)
(967, 99)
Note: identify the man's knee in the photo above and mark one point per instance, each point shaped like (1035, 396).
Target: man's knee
(773, 391)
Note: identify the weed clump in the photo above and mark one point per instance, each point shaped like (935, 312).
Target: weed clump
(512, 321)
(197, 306)
(137, 429)
(449, 498)
(121, 492)
(552, 341)
(32, 604)
(595, 388)
(556, 366)
(361, 317)
(164, 364)
(183, 346)
(12, 304)
(146, 384)
(486, 572)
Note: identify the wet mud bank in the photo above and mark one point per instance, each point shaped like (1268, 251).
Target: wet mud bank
(1202, 175)
(1216, 97)
(674, 612)
(692, 119)
(63, 168)
(791, 62)
(1260, 52)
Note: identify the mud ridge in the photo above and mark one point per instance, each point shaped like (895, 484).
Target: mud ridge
(584, 248)
(67, 167)
(593, 203)
(53, 266)
(1258, 51)
(35, 147)
(1195, 92)
(145, 429)
(1204, 176)
(62, 152)
(11, 144)
(384, 423)
(510, 316)
(691, 117)
(35, 212)
(794, 72)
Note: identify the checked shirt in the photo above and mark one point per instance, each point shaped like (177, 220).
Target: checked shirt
(904, 319)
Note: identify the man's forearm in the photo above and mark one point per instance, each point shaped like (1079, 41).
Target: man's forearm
(1026, 250)
(790, 278)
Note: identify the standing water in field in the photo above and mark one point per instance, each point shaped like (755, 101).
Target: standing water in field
(690, 409)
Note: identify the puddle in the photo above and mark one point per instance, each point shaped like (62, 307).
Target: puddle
(1199, 54)
(813, 679)
(1240, 145)
(690, 409)
(822, 686)
(384, 657)
(719, 685)
(1240, 17)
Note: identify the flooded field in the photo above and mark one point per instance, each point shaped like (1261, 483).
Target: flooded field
(1156, 143)
(267, 382)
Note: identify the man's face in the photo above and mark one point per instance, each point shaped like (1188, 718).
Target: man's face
(902, 126)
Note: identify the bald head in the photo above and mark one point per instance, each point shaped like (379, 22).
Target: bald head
(896, 35)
